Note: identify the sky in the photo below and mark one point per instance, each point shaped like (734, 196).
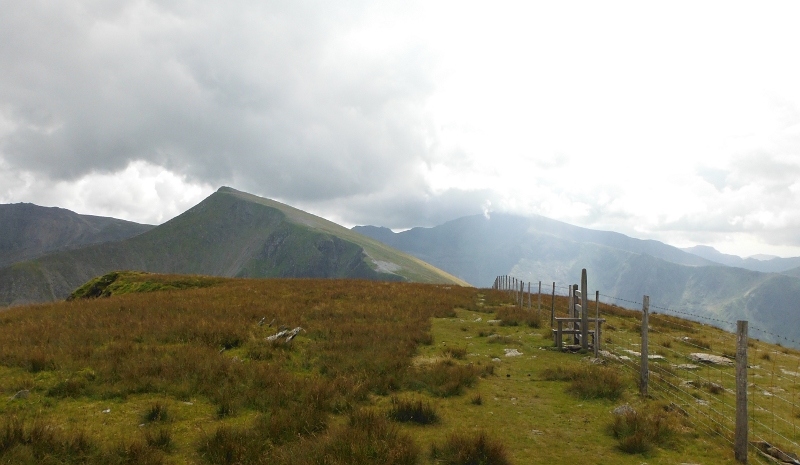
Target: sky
(675, 121)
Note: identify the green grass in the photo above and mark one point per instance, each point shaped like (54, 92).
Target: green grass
(142, 378)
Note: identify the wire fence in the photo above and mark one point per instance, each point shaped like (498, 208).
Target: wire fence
(692, 368)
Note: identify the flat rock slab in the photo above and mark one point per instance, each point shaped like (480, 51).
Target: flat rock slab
(649, 357)
(710, 358)
(512, 353)
(686, 366)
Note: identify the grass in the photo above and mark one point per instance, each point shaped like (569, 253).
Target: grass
(412, 411)
(470, 449)
(142, 378)
(589, 382)
(640, 432)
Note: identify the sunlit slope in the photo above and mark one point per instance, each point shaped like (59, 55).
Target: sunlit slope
(229, 234)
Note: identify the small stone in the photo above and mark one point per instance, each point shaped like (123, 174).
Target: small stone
(496, 360)
(23, 394)
(512, 353)
(624, 409)
(108, 410)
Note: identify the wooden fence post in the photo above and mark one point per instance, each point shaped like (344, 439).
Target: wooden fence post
(553, 306)
(740, 440)
(584, 311)
(596, 324)
(529, 296)
(539, 308)
(645, 374)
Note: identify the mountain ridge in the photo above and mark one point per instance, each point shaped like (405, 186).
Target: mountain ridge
(28, 231)
(230, 233)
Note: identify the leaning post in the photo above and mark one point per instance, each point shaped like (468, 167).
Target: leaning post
(539, 308)
(553, 306)
(740, 440)
(645, 374)
(596, 324)
(529, 296)
(584, 311)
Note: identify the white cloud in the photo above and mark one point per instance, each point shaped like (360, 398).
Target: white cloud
(675, 121)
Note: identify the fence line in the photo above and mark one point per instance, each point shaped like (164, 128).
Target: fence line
(705, 392)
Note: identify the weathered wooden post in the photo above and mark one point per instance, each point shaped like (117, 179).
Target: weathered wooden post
(575, 313)
(529, 296)
(740, 440)
(521, 299)
(553, 306)
(596, 324)
(645, 374)
(539, 308)
(584, 311)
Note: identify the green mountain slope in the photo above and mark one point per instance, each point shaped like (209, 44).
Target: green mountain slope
(232, 234)
(477, 250)
(28, 231)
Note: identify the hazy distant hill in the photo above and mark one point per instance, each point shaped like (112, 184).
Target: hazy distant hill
(477, 249)
(230, 233)
(771, 265)
(474, 248)
(28, 231)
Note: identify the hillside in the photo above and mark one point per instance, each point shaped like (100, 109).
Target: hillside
(477, 249)
(230, 233)
(28, 231)
(381, 372)
(768, 265)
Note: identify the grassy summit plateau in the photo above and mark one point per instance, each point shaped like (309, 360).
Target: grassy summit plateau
(180, 369)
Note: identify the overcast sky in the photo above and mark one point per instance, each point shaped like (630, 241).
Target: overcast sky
(676, 121)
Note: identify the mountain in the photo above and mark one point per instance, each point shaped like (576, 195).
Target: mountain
(230, 233)
(474, 248)
(760, 263)
(28, 231)
(477, 249)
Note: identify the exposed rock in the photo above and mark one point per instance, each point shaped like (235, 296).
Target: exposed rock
(285, 333)
(686, 366)
(649, 357)
(477, 320)
(710, 358)
(607, 354)
(23, 394)
(496, 360)
(624, 409)
(491, 322)
(512, 353)
(768, 449)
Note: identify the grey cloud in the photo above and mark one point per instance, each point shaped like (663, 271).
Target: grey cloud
(256, 93)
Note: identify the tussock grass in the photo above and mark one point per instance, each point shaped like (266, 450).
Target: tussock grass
(455, 352)
(164, 337)
(476, 449)
(412, 411)
(697, 343)
(639, 433)
(156, 413)
(444, 378)
(515, 316)
(590, 381)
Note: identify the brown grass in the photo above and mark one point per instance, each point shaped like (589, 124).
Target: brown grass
(359, 339)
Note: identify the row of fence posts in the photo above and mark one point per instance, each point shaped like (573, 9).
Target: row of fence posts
(516, 288)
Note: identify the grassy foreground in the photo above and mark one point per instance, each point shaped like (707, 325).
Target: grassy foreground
(179, 370)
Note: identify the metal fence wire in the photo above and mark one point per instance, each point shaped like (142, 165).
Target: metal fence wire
(705, 391)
